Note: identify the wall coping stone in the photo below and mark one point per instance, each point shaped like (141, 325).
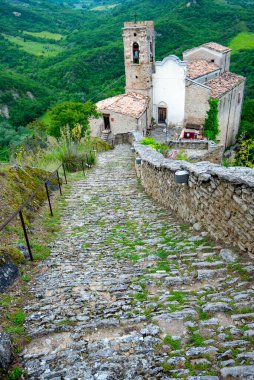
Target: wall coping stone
(204, 170)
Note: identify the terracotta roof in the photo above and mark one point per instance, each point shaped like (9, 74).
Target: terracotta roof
(224, 83)
(217, 47)
(131, 104)
(199, 67)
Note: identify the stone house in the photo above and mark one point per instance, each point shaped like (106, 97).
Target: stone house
(173, 92)
(121, 114)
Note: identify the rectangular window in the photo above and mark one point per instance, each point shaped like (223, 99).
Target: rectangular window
(162, 115)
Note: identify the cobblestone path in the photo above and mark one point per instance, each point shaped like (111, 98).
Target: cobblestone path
(131, 293)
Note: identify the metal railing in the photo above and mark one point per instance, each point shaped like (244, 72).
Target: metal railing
(19, 211)
(44, 184)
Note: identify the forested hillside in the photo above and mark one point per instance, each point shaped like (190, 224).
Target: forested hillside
(54, 50)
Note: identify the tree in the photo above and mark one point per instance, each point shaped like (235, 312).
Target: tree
(211, 126)
(71, 116)
(10, 135)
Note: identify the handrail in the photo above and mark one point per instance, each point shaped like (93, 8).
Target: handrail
(24, 204)
(55, 174)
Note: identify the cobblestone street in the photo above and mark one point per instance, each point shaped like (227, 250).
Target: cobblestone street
(130, 292)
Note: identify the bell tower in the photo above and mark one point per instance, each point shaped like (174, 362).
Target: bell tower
(139, 57)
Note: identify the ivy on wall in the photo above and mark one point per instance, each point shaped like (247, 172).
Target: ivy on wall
(211, 125)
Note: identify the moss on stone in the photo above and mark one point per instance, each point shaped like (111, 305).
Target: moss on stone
(8, 254)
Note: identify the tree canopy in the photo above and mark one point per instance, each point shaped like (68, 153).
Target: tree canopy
(71, 115)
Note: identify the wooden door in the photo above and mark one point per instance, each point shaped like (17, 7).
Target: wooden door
(162, 115)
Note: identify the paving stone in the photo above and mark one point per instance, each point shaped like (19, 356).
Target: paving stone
(228, 255)
(241, 372)
(125, 286)
(5, 351)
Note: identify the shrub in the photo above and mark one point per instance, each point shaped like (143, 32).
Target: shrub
(245, 155)
(150, 141)
(211, 126)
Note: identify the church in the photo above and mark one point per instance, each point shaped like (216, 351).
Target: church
(171, 93)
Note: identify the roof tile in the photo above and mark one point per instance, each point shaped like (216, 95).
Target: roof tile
(217, 47)
(131, 104)
(199, 67)
(224, 83)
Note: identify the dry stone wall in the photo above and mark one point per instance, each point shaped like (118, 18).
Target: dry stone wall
(220, 199)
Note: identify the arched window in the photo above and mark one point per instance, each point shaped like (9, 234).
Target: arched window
(136, 53)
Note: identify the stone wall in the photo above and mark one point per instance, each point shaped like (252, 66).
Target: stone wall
(196, 103)
(188, 144)
(214, 155)
(220, 199)
(220, 59)
(230, 108)
(119, 124)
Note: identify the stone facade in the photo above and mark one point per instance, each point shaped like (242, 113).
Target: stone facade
(221, 59)
(119, 124)
(230, 108)
(196, 103)
(138, 73)
(220, 199)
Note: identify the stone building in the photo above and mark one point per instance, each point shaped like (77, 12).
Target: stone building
(173, 92)
(207, 77)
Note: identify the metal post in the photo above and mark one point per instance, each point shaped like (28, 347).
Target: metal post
(65, 176)
(47, 191)
(59, 183)
(83, 168)
(87, 159)
(26, 236)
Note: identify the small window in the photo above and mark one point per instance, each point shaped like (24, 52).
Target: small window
(212, 60)
(136, 77)
(239, 98)
(136, 53)
(135, 34)
(151, 52)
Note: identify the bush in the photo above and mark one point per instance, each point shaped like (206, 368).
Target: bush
(150, 141)
(245, 155)
(211, 126)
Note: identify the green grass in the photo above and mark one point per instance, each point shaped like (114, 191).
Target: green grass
(45, 34)
(177, 296)
(243, 41)
(26, 278)
(15, 373)
(102, 8)
(35, 48)
(46, 118)
(16, 330)
(5, 300)
(18, 318)
(196, 340)
(174, 343)
(141, 296)
(203, 315)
